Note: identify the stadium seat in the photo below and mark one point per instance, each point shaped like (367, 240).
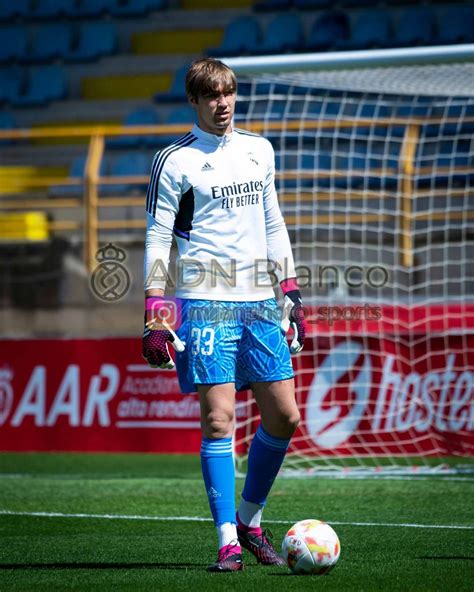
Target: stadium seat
(184, 115)
(314, 162)
(355, 165)
(140, 116)
(14, 45)
(312, 4)
(131, 163)
(50, 42)
(242, 36)
(358, 3)
(372, 111)
(415, 27)
(95, 40)
(10, 10)
(45, 84)
(283, 34)
(457, 112)
(136, 8)
(271, 5)
(52, 9)
(456, 25)
(327, 30)
(11, 80)
(93, 8)
(75, 172)
(372, 29)
(441, 163)
(7, 122)
(272, 109)
(177, 92)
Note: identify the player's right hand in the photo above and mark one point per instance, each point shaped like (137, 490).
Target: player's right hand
(156, 336)
(293, 316)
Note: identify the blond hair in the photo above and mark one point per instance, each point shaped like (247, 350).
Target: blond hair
(206, 75)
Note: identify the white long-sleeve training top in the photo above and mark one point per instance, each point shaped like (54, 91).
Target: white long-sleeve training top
(217, 195)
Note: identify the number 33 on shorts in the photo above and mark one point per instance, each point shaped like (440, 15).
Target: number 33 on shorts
(202, 341)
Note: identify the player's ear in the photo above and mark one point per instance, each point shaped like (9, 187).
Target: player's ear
(192, 100)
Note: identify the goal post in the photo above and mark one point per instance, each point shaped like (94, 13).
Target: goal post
(375, 168)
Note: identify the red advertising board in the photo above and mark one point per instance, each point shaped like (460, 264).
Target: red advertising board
(363, 389)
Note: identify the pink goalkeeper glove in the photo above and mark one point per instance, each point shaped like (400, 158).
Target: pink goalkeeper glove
(293, 314)
(158, 333)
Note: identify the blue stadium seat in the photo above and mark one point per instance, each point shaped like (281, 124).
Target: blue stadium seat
(267, 109)
(356, 166)
(52, 9)
(45, 84)
(283, 34)
(184, 115)
(10, 9)
(242, 36)
(372, 111)
(372, 29)
(416, 26)
(436, 163)
(14, 43)
(358, 3)
(132, 163)
(327, 30)
(11, 80)
(95, 40)
(304, 162)
(50, 42)
(312, 4)
(177, 92)
(272, 5)
(456, 25)
(458, 112)
(76, 172)
(93, 8)
(386, 171)
(136, 8)
(140, 116)
(7, 122)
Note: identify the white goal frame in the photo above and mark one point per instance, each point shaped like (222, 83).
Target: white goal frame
(276, 69)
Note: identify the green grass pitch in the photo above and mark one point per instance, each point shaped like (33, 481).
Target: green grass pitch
(396, 534)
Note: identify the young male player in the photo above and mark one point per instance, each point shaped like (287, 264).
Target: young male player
(213, 189)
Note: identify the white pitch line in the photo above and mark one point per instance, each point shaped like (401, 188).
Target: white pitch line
(201, 519)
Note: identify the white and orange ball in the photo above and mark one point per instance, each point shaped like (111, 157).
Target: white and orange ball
(311, 547)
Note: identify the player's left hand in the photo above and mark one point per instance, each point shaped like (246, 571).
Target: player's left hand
(293, 316)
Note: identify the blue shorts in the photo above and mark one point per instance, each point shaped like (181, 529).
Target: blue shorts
(239, 342)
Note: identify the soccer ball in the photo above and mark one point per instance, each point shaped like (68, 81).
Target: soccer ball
(311, 547)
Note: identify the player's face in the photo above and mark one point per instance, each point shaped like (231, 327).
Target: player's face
(215, 111)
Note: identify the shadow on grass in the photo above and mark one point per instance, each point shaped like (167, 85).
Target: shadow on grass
(4, 566)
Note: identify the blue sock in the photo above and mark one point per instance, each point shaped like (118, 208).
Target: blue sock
(217, 466)
(265, 458)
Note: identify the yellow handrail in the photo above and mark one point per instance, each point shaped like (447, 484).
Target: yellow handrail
(92, 179)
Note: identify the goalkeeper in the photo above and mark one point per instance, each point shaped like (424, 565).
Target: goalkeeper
(213, 190)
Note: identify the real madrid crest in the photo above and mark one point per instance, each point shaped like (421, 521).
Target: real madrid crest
(110, 280)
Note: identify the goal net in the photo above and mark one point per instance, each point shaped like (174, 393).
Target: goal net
(374, 174)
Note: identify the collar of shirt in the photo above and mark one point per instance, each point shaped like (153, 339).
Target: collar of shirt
(211, 138)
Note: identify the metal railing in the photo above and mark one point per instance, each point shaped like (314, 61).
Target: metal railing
(92, 202)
